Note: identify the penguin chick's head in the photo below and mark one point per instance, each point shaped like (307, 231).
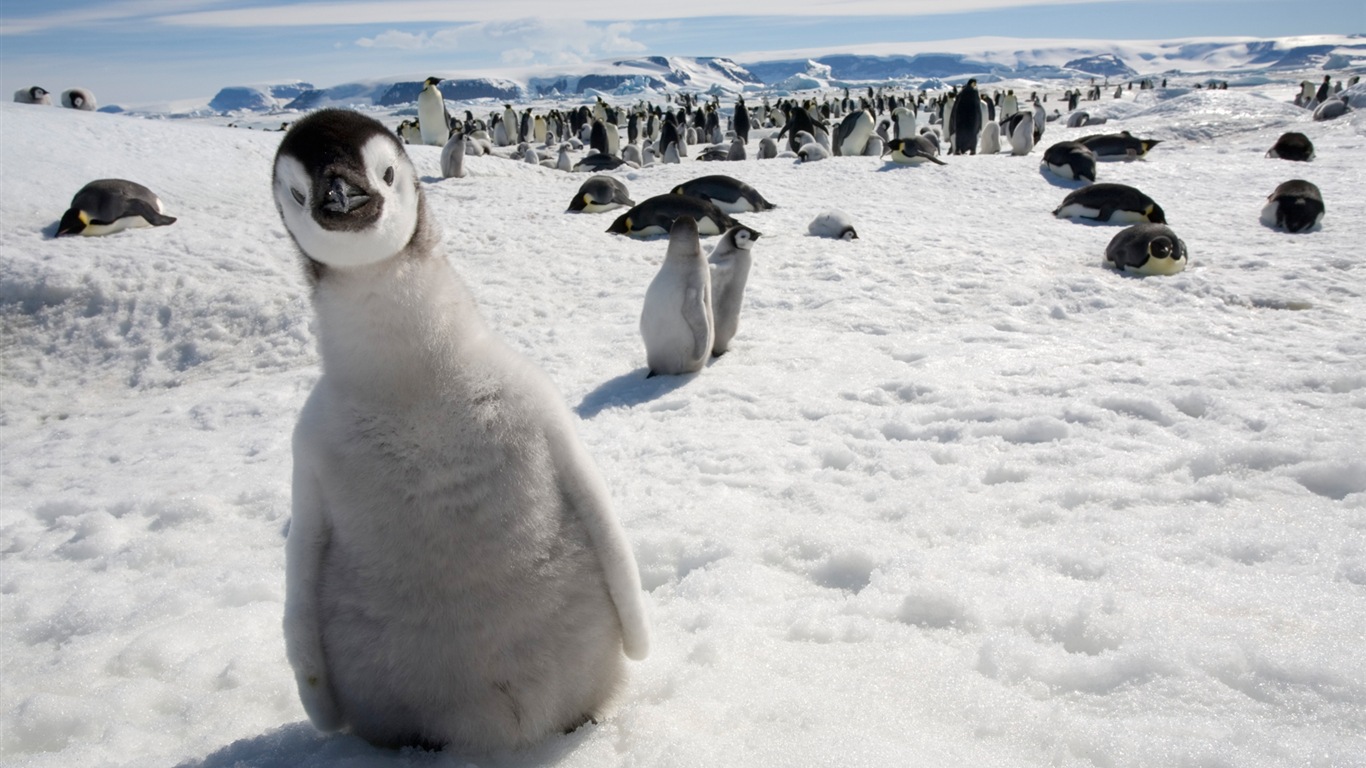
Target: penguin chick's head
(346, 190)
(744, 237)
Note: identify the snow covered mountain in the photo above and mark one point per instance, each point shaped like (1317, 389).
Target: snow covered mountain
(988, 59)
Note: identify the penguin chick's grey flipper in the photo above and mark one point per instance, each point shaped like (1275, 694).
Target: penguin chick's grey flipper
(307, 541)
(583, 487)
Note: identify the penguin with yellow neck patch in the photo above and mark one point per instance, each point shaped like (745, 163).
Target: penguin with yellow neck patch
(106, 206)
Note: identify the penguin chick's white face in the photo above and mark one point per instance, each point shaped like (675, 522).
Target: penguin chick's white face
(346, 190)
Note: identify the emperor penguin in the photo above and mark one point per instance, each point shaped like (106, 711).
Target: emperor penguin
(833, 224)
(1022, 133)
(1292, 145)
(106, 206)
(1117, 145)
(904, 120)
(1071, 160)
(432, 117)
(79, 98)
(1295, 206)
(511, 125)
(914, 150)
(454, 571)
(851, 136)
(730, 262)
(676, 322)
(35, 95)
(1147, 249)
(725, 192)
(600, 193)
(453, 157)
(657, 215)
(1111, 204)
(965, 123)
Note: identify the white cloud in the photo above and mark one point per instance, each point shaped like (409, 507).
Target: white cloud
(519, 41)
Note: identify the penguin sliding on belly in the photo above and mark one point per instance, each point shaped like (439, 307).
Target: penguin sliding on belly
(656, 216)
(106, 206)
(454, 571)
(1147, 249)
(1071, 160)
(1110, 204)
(1295, 206)
(729, 194)
(600, 193)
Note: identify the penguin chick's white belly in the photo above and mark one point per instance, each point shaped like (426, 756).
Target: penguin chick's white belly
(454, 605)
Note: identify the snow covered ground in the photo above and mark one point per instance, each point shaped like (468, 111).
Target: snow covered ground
(958, 495)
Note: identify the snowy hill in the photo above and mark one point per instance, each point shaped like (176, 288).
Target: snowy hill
(952, 61)
(957, 496)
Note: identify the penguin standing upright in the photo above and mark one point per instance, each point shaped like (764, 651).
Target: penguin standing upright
(741, 120)
(965, 123)
(454, 571)
(676, 321)
(432, 118)
(730, 262)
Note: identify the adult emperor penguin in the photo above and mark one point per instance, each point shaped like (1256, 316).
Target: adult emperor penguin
(106, 206)
(1122, 145)
(600, 193)
(656, 216)
(1071, 160)
(851, 136)
(1292, 145)
(1295, 206)
(730, 262)
(725, 192)
(79, 98)
(676, 321)
(904, 119)
(35, 95)
(1110, 203)
(454, 571)
(1021, 133)
(914, 150)
(432, 117)
(965, 123)
(1147, 249)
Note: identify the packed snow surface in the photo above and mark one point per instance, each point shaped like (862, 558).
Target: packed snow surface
(958, 494)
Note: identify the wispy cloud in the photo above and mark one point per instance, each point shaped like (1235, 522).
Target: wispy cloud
(371, 12)
(98, 13)
(519, 42)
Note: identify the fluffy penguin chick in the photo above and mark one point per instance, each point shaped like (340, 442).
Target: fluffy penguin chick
(676, 322)
(834, 224)
(454, 571)
(730, 262)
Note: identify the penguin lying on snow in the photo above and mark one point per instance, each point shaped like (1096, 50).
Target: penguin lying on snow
(106, 206)
(725, 192)
(1147, 249)
(914, 150)
(1110, 203)
(1295, 206)
(600, 193)
(1071, 160)
(833, 224)
(79, 98)
(656, 216)
(454, 572)
(1117, 145)
(1292, 145)
(35, 95)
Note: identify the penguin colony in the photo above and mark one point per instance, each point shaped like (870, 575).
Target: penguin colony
(376, 588)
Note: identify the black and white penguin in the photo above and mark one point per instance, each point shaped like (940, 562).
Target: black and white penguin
(1292, 146)
(832, 224)
(1295, 206)
(79, 98)
(965, 122)
(914, 150)
(1110, 203)
(725, 192)
(432, 118)
(1071, 160)
(656, 216)
(742, 125)
(730, 262)
(676, 322)
(1331, 110)
(600, 193)
(106, 206)
(599, 163)
(454, 571)
(1147, 249)
(851, 136)
(1120, 145)
(35, 95)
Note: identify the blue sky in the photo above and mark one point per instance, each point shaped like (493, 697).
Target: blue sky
(134, 51)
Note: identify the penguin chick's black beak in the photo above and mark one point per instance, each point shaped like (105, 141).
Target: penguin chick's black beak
(343, 196)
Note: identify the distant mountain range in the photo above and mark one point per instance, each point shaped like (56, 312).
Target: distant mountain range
(989, 60)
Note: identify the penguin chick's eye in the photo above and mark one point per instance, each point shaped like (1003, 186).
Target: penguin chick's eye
(297, 195)
(389, 175)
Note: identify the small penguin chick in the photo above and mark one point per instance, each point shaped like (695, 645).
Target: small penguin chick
(833, 224)
(730, 263)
